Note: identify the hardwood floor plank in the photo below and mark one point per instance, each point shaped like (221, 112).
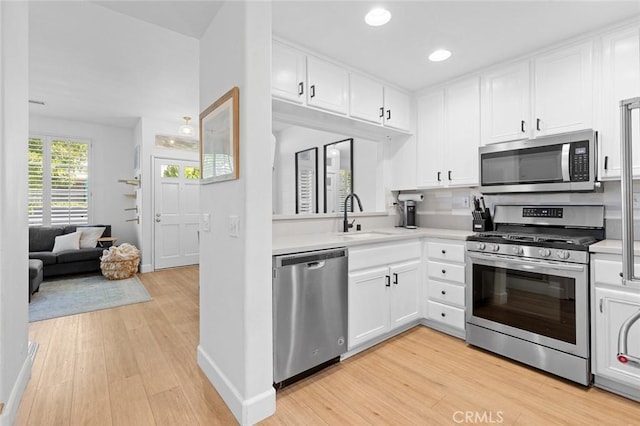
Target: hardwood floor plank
(119, 357)
(90, 404)
(129, 402)
(61, 356)
(52, 405)
(171, 408)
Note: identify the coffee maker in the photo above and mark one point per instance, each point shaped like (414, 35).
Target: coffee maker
(409, 208)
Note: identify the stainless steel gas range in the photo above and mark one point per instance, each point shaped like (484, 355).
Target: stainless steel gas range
(529, 295)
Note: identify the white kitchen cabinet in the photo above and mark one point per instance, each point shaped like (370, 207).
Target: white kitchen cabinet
(506, 104)
(384, 286)
(620, 80)
(563, 92)
(288, 73)
(328, 85)
(613, 308)
(445, 302)
(397, 109)
(449, 136)
(366, 99)
(612, 304)
(371, 101)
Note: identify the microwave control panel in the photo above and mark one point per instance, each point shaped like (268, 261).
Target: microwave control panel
(579, 161)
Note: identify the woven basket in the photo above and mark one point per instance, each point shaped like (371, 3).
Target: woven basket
(119, 269)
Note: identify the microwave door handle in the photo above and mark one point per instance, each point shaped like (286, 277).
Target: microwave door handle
(566, 176)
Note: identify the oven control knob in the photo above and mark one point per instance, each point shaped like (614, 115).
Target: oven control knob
(517, 250)
(481, 246)
(563, 254)
(495, 247)
(544, 252)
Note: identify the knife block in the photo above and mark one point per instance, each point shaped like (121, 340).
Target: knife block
(483, 223)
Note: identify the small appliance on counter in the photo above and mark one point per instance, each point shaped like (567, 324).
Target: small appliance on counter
(481, 216)
(409, 201)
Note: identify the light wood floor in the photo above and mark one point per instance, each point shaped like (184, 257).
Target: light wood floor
(136, 365)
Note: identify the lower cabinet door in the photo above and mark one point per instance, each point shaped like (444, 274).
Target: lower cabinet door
(612, 309)
(368, 304)
(405, 297)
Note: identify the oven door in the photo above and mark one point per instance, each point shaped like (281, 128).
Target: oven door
(544, 302)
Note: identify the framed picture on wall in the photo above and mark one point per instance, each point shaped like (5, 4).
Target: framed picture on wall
(220, 139)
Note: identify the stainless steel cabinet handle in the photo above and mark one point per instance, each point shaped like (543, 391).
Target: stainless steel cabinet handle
(388, 114)
(300, 89)
(388, 284)
(606, 162)
(313, 90)
(522, 126)
(538, 124)
(439, 180)
(381, 112)
(449, 174)
(395, 279)
(623, 337)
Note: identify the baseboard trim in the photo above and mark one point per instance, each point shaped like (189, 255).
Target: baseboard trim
(246, 411)
(8, 416)
(147, 267)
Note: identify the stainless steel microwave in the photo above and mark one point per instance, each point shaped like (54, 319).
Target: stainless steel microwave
(565, 162)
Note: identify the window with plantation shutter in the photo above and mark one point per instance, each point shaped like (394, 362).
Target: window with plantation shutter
(58, 181)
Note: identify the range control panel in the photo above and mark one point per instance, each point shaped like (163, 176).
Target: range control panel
(555, 212)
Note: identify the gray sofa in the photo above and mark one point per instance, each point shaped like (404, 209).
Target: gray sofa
(41, 240)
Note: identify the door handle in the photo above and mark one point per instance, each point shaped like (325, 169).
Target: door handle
(623, 337)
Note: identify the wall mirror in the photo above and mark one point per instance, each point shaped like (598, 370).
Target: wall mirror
(307, 181)
(367, 159)
(338, 175)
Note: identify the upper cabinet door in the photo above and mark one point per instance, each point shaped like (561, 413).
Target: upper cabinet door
(397, 109)
(462, 132)
(621, 80)
(328, 85)
(563, 94)
(288, 73)
(430, 140)
(366, 100)
(506, 104)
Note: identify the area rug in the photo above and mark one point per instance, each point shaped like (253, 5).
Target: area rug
(85, 294)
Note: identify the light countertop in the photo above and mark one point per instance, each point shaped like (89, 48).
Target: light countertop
(307, 242)
(612, 247)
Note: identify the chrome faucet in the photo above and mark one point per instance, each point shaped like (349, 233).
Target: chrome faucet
(345, 223)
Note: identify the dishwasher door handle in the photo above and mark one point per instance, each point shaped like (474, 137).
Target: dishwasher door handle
(316, 265)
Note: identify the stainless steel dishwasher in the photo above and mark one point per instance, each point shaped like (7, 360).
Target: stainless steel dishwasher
(309, 312)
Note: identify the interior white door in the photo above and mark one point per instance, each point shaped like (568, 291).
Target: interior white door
(176, 213)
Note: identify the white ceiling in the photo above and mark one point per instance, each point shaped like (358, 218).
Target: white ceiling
(114, 61)
(479, 33)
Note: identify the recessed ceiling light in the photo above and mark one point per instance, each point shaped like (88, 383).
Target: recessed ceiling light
(377, 17)
(439, 55)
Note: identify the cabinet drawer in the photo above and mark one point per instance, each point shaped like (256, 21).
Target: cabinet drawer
(446, 271)
(445, 251)
(449, 315)
(608, 271)
(446, 293)
(372, 255)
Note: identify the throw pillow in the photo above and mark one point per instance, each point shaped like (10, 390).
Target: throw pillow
(67, 242)
(90, 235)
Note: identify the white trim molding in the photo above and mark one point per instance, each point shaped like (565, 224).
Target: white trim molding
(8, 416)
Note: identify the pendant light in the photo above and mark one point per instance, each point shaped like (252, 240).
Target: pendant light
(186, 129)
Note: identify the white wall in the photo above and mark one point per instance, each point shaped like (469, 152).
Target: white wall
(368, 157)
(15, 362)
(111, 158)
(235, 350)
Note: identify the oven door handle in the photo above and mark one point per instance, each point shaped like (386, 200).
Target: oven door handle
(531, 265)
